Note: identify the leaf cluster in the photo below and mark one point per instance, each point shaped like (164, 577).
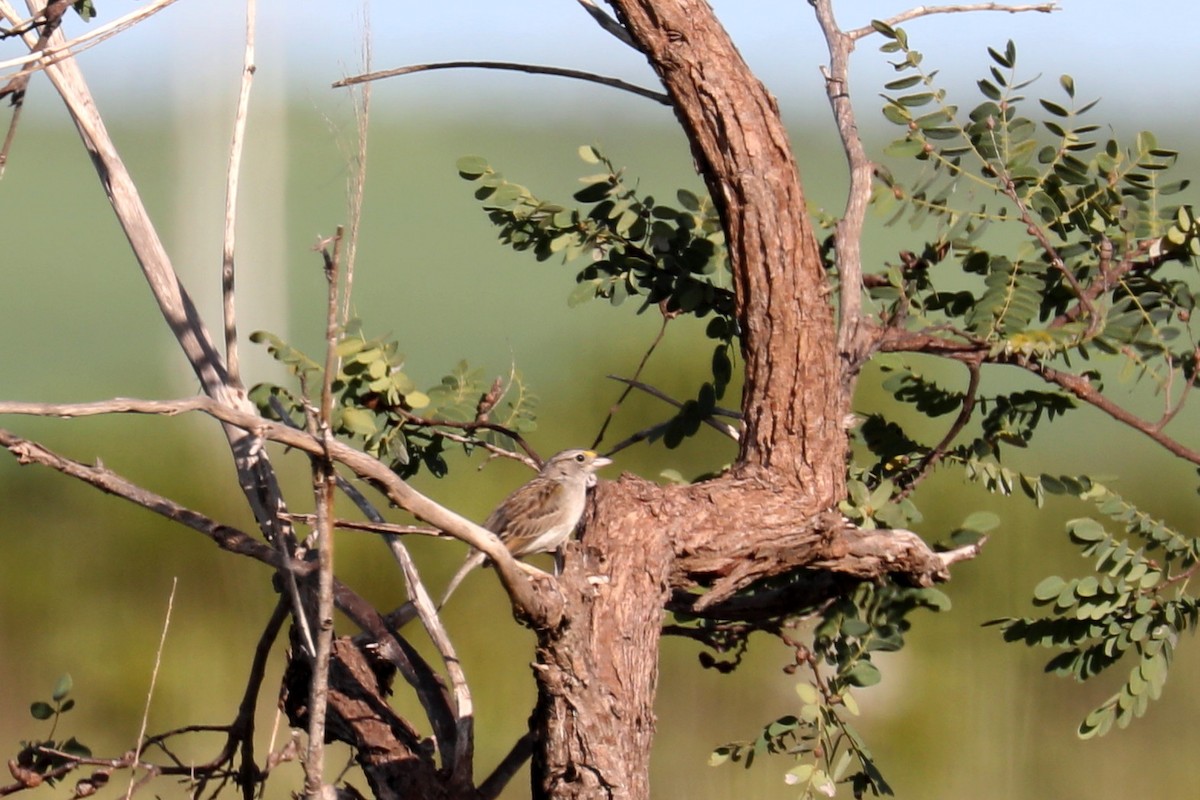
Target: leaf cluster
(1133, 605)
(625, 245)
(378, 406)
(1095, 217)
(829, 750)
(44, 756)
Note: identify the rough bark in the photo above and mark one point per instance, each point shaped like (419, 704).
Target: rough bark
(792, 397)
(597, 671)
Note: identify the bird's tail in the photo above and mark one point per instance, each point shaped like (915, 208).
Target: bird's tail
(474, 560)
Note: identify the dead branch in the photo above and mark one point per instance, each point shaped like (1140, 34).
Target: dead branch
(533, 69)
(538, 605)
(925, 11)
(232, 177)
(849, 230)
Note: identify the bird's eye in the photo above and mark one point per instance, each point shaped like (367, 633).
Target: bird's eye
(580, 458)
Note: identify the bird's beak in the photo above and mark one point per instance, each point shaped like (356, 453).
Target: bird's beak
(600, 461)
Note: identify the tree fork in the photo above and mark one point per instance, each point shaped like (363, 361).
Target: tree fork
(597, 672)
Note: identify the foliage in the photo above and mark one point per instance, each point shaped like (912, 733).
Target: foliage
(1095, 271)
(871, 619)
(377, 402)
(1098, 229)
(43, 757)
(86, 9)
(633, 246)
(1133, 604)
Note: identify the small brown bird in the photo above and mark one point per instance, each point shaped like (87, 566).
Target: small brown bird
(543, 513)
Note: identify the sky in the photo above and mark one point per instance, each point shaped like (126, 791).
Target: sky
(1141, 56)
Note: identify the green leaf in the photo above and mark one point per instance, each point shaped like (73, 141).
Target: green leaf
(863, 674)
(882, 27)
(86, 9)
(472, 167)
(719, 756)
(359, 421)
(1055, 108)
(1086, 530)
(41, 710)
(982, 521)
(1049, 589)
(688, 200)
(62, 687)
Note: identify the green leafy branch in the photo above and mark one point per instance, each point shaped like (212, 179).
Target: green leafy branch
(1133, 604)
(1096, 223)
(377, 403)
(631, 245)
(830, 751)
(46, 760)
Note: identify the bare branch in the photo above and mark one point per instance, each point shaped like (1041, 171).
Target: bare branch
(934, 456)
(162, 640)
(608, 23)
(722, 427)
(232, 176)
(534, 69)
(458, 750)
(925, 11)
(67, 49)
(258, 481)
(523, 595)
(381, 527)
(612, 410)
(358, 178)
(324, 485)
(1083, 389)
(392, 648)
(896, 340)
(965, 553)
(848, 233)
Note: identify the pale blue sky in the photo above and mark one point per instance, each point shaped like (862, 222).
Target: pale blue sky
(1141, 57)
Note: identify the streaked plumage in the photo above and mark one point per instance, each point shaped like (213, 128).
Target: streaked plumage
(543, 513)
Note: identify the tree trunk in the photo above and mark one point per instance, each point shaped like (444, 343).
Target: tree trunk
(597, 672)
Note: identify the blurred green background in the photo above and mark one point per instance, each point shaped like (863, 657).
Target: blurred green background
(85, 579)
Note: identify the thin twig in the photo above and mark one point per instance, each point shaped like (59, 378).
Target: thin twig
(612, 410)
(849, 231)
(500, 777)
(67, 49)
(232, 176)
(721, 427)
(924, 11)
(609, 24)
(388, 528)
(535, 69)
(255, 475)
(324, 484)
(162, 640)
(358, 181)
(531, 459)
(934, 456)
(364, 466)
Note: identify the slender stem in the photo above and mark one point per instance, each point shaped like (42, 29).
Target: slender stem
(534, 69)
(925, 11)
(232, 176)
(612, 411)
(324, 486)
(849, 230)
